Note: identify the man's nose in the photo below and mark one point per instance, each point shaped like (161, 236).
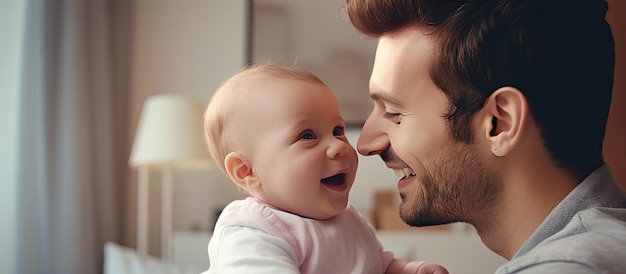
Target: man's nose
(372, 140)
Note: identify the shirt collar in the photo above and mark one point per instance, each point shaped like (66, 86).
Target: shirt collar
(599, 189)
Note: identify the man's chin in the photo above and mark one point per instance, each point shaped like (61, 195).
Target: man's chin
(418, 218)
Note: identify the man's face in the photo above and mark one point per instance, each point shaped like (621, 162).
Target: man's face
(441, 180)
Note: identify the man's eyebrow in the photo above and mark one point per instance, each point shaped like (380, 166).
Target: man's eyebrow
(381, 96)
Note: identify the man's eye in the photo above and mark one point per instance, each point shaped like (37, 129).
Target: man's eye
(393, 116)
(338, 131)
(389, 115)
(307, 135)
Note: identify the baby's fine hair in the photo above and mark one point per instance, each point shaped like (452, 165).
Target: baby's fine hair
(222, 102)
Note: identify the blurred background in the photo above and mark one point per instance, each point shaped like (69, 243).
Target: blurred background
(74, 76)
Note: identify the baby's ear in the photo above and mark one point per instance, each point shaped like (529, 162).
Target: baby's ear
(240, 171)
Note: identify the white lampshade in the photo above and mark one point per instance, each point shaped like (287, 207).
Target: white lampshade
(169, 133)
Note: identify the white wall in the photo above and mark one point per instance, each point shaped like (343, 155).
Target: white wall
(11, 32)
(187, 47)
(316, 35)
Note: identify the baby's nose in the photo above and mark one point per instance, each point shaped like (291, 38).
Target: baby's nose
(336, 149)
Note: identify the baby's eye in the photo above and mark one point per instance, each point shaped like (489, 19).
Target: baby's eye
(307, 135)
(338, 131)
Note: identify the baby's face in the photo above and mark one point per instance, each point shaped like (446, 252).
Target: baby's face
(299, 149)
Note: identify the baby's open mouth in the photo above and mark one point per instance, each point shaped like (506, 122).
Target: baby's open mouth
(335, 180)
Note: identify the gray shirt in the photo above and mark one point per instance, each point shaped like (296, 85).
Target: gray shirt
(585, 233)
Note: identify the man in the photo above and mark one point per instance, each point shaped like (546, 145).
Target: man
(494, 113)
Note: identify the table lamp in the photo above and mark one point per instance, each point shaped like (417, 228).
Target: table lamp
(169, 136)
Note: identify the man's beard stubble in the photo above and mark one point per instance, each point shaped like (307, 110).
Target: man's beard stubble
(456, 186)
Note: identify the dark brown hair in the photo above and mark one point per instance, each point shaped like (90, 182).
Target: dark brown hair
(559, 53)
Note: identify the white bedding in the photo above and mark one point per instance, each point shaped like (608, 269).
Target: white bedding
(124, 260)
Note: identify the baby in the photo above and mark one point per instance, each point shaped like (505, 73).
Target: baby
(278, 133)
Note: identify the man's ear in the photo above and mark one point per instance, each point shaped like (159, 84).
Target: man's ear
(508, 109)
(240, 171)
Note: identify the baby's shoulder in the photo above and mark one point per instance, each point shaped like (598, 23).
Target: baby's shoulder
(251, 212)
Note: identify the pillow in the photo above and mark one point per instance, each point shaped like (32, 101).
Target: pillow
(124, 260)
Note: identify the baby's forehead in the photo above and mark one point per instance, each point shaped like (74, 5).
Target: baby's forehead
(252, 81)
(263, 84)
(255, 77)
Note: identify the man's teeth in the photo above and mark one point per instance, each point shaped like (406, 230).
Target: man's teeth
(404, 172)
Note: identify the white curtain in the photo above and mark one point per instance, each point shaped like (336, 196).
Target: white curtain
(73, 134)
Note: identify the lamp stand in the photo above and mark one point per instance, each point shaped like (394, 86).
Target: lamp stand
(142, 210)
(166, 211)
